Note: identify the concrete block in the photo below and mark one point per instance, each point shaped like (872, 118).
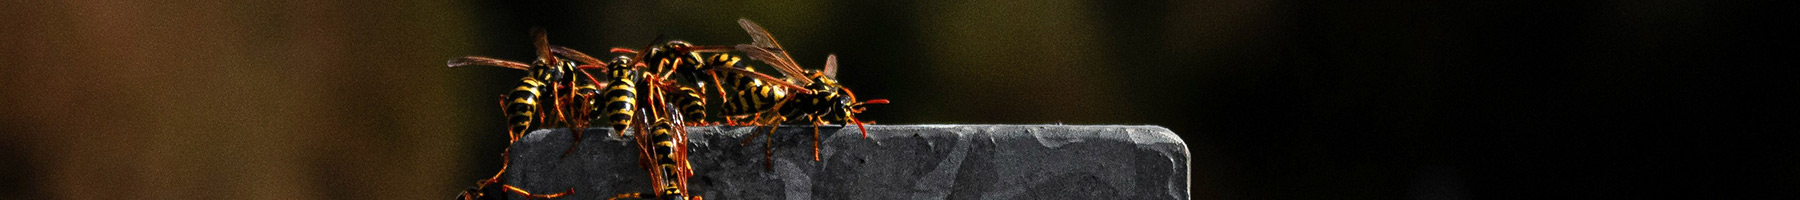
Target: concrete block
(895, 162)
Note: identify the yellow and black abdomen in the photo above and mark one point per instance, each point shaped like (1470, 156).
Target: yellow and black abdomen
(663, 145)
(692, 105)
(744, 95)
(668, 161)
(750, 96)
(620, 98)
(522, 105)
(588, 95)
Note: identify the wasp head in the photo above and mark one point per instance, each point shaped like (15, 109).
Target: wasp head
(552, 72)
(619, 67)
(847, 107)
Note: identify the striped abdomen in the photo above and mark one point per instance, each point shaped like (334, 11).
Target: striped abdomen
(671, 192)
(746, 95)
(587, 94)
(620, 98)
(522, 105)
(751, 96)
(664, 148)
(692, 105)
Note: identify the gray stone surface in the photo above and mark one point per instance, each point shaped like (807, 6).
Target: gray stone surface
(895, 162)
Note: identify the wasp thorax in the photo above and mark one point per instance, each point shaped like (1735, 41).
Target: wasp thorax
(679, 44)
(619, 62)
(551, 74)
(826, 81)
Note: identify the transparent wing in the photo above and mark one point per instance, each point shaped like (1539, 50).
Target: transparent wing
(778, 60)
(831, 66)
(758, 34)
(766, 78)
(483, 61)
(541, 42)
(578, 56)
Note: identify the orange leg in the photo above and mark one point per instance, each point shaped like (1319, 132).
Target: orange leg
(503, 113)
(505, 161)
(768, 153)
(768, 146)
(815, 142)
(720, 86)
(528, 195)
(628, 195)
(753, 135)
(575, 127)
(817, 121)
(577, 143)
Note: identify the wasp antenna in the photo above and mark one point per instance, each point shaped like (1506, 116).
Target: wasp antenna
(623, 50)
(859, 126)
(848, 92)
(600, 67)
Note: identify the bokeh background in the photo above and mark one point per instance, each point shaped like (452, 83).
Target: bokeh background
(1277, 99)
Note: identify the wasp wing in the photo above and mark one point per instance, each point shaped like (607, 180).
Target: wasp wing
(831, 66)
(484, 61)
(763, 47)
(541, 43)
(766, 78)
(777, 59)
(758, 34)
(578, 56)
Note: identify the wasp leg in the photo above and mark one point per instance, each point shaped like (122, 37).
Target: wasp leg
(528, 195)
(637, 195)
(717, 85)
(816, 123)
(768, 152)
(506, 161)
(470, 194)
(577, 131)
(580, 123)
(768, 149)
(753, 134)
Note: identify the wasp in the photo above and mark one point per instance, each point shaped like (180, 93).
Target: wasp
(664, 155)
(663, 150)
(616, 103)
(550, 84)
(822, 101)
(637, 98)
(688, 61)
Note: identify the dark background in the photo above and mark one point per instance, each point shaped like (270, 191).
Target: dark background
(1276, 99)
